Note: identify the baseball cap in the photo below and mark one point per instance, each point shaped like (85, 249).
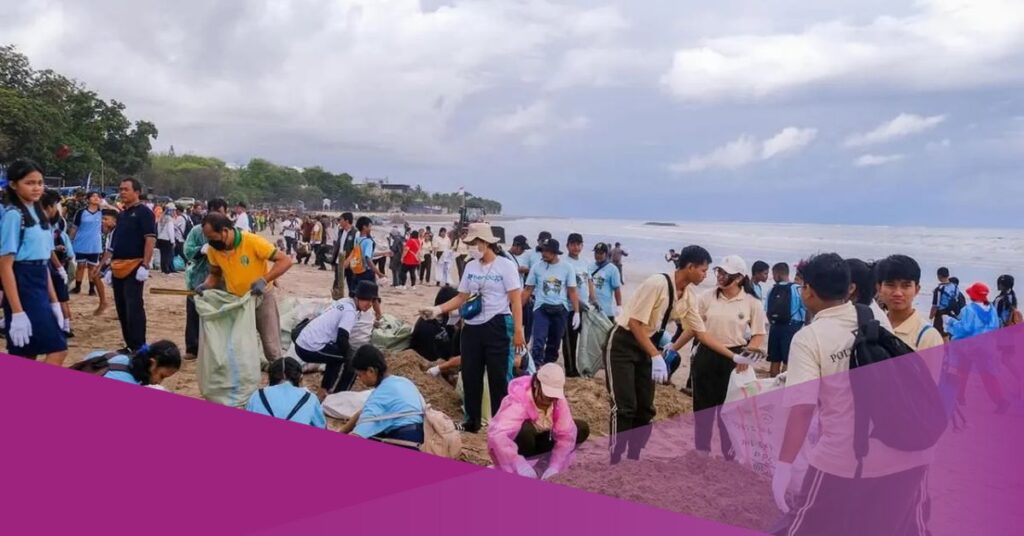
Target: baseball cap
(551, 246)
(544, 235)
(734, 264)
(552, 381)
(575, 238)
(601, 247)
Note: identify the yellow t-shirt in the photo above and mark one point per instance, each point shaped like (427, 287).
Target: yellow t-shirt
(244, 265)
(650, 300)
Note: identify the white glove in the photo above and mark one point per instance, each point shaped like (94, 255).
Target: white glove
(63, 274)
(576, 321)
(741, 359)
(659, 370)
(58, 314)
(21, 329)
(780, 483)
(108, 278)
(434, 371)
(142, 274)
(548, 473)
(67, 325)
(780, 379)
(204, 249)
(431, 313)
(523, 468)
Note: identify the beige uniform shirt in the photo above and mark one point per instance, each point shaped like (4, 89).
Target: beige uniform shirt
(649, 302)
(729, 320)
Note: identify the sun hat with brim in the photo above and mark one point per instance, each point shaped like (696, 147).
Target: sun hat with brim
(480, 231)
(733, 265)
(601, 247)
(552, 381)
(171, 206)
(978, 292)
(551, 246)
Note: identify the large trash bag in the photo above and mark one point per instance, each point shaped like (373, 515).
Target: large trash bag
(392, 335)
(228, 368)
(295, 310)
(592, 342)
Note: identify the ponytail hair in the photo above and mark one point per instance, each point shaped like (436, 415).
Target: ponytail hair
(746, 284)
(284, 369)
(165, 353)
(19, 169)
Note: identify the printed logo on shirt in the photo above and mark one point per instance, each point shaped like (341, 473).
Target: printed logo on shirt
(599, 282)
(244, 260)
(491, 277)
(842, 355)
(552, 285)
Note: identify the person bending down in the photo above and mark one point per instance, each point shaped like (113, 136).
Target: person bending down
(285, 398)
(535, 419)
(394, 412)
(149, 366)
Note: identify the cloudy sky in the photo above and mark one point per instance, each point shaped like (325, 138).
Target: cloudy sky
(866, 111)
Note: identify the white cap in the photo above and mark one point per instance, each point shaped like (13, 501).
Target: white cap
(552, 380)
(734, 264)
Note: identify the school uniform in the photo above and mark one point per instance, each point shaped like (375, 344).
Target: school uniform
(728, 320)
(31, 248)
(134, 226)
(286, 401)
(393, 411)
(63, 251)
(326, 339)
(780, 334)
(551, 284)
(486, 341)
(342, 273)
(367, 247)
(627, 365)
(88, 236)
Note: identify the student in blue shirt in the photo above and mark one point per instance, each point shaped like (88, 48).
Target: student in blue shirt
(785, 317)
(150, 366)
(523, 257)
(758, 275)
(87, 235)
(62, 251)
(587, 298)
(33, 316)
(394, 411)
(555, 282)
(285, 398)
(607, 283)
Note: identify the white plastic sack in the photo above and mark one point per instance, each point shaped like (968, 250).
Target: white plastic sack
(592, 342)
(756, 420)
(345, 404)
(292, 311)
(228, 368)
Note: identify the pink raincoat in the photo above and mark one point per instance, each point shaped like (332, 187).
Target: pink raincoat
(518, 408)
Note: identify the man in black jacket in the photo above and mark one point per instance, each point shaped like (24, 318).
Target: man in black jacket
(342, 247)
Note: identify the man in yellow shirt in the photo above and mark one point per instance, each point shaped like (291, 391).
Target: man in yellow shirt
(633, 359)
(246, 263)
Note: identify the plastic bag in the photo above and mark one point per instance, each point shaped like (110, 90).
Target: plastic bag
(179, 263)
(345, 404)
(391, 334)
(592, 342)
(228, 368)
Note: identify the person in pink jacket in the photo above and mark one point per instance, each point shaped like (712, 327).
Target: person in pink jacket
(534, 419)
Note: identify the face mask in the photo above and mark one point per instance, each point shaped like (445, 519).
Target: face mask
(476, 254)
(218, 245)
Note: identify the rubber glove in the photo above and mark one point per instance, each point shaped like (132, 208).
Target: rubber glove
(200, 289)
(659, 370)
(576, 321)
(743, 359)
(430, 313)
(20, 331)
(67, 325)
(142, 274)
(58, 314)
(258, 287)
(780, 483)
(524, 469)
(203, 250)
(63, 274)
(108, 278)
(434, 371)
(548, 473)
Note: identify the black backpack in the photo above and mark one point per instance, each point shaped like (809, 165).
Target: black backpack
(958, 303)
(780, 301)
(895, 400)
(101, 365)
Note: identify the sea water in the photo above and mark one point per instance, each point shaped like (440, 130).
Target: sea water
(972, 254)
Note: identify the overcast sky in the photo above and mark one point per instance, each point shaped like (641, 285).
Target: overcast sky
(867, 111)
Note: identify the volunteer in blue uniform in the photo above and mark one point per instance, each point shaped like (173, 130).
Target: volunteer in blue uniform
(285, 398)
(33, 317)
(87, 233)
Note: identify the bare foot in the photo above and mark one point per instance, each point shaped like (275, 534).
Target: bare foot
(101, 309)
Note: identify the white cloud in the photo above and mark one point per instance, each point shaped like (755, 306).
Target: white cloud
(789, 139)
(746, 150)
(945, 44)
(871, 160)
(901, 126)
(933, 146)
(535, 123)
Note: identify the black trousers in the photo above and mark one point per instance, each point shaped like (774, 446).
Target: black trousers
(289, 243)
(191, 327)
(131, 310)
(318, 252)
(166, 248)
(710, 384)
(533, 443)
(409, 274)
(425, 269)
(179, 250)
(339, 374)
(460, 265)
(629, 382)
(569, 345)
(485, 348)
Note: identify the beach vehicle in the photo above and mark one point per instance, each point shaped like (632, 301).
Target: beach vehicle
(184, 202)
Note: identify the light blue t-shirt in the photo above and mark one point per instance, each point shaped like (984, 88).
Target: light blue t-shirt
(582, 269)
(524, 261)
(551, 283)
(118, 375)
(282, 399)
(797, 311)
(394, 395)
(606, 281)
(88, 236)
(37, 244)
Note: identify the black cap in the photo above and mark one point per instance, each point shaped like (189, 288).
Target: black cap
(575, 238)
(544, 235)
(551, 246)
(520, 241)
(601, 247)
(367, 290)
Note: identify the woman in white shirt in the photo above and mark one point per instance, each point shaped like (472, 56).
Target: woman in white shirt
(490, 303)
(165, 238)
(445, 257)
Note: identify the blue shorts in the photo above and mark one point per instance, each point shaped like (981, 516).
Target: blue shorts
(87, 258)
(47, 336)
(59, 287)
(780, 337)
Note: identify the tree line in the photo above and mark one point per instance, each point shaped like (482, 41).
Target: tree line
(73, 133)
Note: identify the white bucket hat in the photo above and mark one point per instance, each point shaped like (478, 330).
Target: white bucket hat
(480, 231)
(734, 264)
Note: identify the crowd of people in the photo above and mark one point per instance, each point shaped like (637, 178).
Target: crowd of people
(507, 323)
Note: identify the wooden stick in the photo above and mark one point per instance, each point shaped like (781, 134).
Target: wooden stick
(171, 291)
